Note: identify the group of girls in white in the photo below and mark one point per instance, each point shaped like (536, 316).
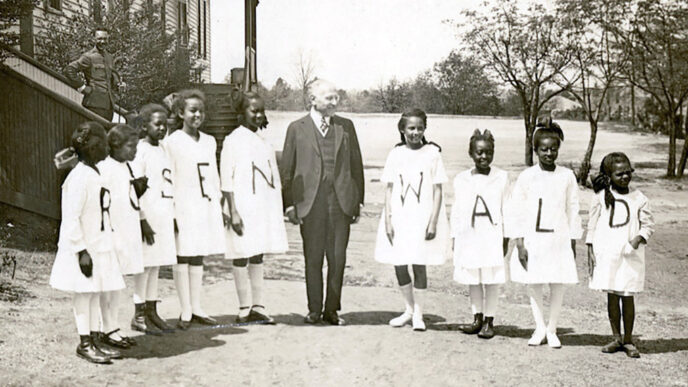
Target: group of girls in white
(158, 198)
(539, 212)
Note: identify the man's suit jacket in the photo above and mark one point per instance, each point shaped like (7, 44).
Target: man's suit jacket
(301, 166)
(101, 79)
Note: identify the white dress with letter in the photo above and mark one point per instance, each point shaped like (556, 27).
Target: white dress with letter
(413, 173)
(196, 194)
(248, 169)
(126, 219)
(619, 268)
(478, 228)
(544, 210)
(86, 209)
(157, 203)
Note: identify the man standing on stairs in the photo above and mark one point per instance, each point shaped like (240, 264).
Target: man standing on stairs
(322, 181)
(101, 78)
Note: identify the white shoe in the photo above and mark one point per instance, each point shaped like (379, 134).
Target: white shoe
(418, 323)
(538, 338)
(553, 340)
(401, 320)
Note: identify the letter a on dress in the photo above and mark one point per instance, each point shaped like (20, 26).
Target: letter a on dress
(485, 212)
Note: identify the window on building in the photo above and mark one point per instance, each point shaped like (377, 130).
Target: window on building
(205, 29)
(199, 42)
(182, 23)
(54, 4)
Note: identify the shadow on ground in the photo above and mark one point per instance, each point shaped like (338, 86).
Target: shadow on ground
(180, 342)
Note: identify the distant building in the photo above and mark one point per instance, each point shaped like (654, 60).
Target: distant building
(188, 18)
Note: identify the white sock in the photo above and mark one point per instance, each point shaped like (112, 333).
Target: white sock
(417, 300)
(535, 293)
(109, 305)
(181, 281)
(255, 273)
(152, 286)
(491, 297)
(476, 294)
(556, 295)
(196, 289)
(81, 309)
(95, 312)
(241, 283)
(140, 282)
(407, 293)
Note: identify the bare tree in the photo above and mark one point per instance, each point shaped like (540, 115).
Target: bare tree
(305, 74)
(523, 48)
(597, 60)
(656, 40)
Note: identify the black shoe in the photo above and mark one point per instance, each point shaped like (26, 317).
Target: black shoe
(487, 331)
(110, 352)
(153, 318)
(183, 325)
(614, 346)
(243, 319)
(140, 322)
(312, 318)
(259, 317)
(475, 327)
(333, 319)
(631, 350)
(86, 350)
(203, 320)
(123, 343)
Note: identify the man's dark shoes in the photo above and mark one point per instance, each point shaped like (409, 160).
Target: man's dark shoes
(487, 331)
(333, 319)
(475, 327)
(203, 320)
(312, 318)
(153, 318)
(86, 350)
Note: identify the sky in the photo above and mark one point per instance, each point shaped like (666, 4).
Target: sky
(356, 44)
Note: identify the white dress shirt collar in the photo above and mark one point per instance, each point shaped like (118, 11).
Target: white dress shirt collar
(317, 117)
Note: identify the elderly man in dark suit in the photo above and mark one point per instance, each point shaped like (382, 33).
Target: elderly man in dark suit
(323, 186)
(101, 78)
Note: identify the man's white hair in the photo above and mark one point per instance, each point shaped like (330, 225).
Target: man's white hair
(320, 84)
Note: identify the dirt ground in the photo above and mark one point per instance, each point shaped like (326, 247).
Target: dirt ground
(38, 338)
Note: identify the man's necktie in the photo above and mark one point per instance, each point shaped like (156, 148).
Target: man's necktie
(324, 125)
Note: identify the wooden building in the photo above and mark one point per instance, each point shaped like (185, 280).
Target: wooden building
(188, 18)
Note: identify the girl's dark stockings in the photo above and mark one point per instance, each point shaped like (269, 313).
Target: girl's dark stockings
(615, 305)
(419, 275)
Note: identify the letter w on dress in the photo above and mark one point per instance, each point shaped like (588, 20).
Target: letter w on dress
(254, 169)
(406, 188)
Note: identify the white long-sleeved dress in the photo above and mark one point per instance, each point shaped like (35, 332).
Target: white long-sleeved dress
(248, 169)
(478, 227)
(544, 210)
(126, 219)
(86, 209)
(157, 203)
(619, 269)
(413, 173)
(197, 194)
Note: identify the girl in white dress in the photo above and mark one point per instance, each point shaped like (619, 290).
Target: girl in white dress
(619, 227)
(157, 207)
(126, 221)
(477, 226)
(197, 208)
(546, 226)
(86, 264)
(413, 227)
(251, 187)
